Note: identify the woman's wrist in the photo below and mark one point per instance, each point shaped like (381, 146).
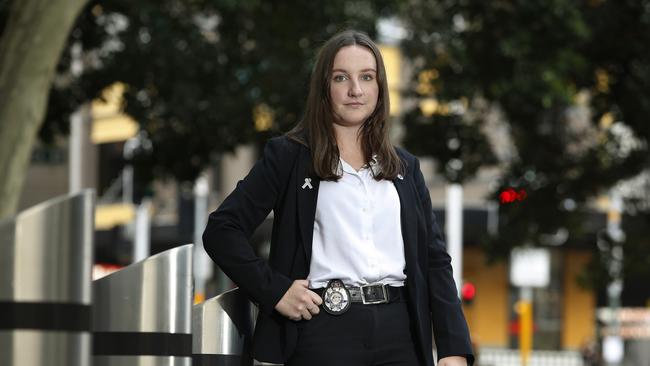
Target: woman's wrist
(453, 361)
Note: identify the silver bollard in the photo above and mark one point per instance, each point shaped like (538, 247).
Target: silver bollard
(222, 330)
(46, 256)
(142, 313)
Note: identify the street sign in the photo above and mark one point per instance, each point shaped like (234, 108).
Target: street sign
(530, 267)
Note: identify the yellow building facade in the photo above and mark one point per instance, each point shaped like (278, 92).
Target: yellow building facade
(489, 315)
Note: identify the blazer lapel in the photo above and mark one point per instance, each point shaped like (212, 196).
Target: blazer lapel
(408, 220)
(307, 186)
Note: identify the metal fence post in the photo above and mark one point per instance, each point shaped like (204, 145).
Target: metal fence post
(46, 255)
(222, 330)
(142, 313)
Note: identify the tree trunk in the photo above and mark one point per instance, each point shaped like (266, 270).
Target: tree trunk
(34, 36)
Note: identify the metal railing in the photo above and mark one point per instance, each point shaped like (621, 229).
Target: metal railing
(51, 313)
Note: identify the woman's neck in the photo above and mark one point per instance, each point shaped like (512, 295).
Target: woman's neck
(349, 144)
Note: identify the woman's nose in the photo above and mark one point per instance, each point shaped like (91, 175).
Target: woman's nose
(355, 89)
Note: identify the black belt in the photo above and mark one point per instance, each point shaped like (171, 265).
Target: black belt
(373, 294)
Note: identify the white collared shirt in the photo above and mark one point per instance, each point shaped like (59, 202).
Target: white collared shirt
(357, 234)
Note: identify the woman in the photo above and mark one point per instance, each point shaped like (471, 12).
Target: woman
(353, 233)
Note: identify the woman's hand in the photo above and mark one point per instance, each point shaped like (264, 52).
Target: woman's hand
(299, 302)
(453, 361)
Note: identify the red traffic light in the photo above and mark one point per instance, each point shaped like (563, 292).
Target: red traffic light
(468, 292)
(510, 195)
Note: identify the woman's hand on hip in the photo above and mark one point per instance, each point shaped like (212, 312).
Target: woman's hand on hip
(299, 302)
(453, 361)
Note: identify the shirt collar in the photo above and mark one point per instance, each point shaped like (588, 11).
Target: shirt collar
(347, 168)
(372, 166)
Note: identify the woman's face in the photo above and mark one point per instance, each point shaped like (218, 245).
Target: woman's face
(353, 85)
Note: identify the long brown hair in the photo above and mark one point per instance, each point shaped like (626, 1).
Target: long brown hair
(315, 129)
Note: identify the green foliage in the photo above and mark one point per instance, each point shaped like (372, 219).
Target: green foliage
(457, 144)
(196, 69)
(541, 64)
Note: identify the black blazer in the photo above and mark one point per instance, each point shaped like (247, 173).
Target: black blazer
(276, 183)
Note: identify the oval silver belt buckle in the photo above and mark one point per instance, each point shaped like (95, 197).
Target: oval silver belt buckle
(336, 298)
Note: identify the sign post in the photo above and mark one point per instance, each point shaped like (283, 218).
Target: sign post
(529, 268)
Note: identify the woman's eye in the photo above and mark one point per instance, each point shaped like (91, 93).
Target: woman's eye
(367, 77)
(339, 78)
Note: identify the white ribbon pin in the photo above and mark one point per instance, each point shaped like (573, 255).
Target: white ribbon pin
(400, 177)
(307, 183)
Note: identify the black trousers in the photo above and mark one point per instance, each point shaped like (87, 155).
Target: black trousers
(366, 335)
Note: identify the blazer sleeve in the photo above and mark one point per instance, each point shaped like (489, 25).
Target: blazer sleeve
(226, 238)
(449, 324)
